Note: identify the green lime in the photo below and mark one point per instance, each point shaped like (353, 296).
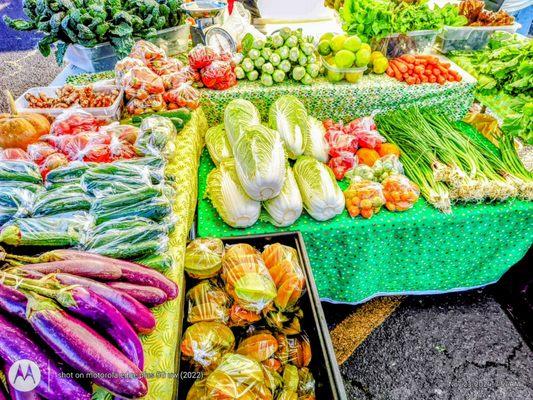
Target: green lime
(362, 58)
(327, 36)
(353, 77)
(380, 65)
(344, 58)
(337, 42)
(366, 46)
(335, 76)
(376, 54)
(324, 48)
(353, 43)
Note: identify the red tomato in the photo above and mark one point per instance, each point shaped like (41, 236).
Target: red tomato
(52, 162)
(14, 154)
(38, 151)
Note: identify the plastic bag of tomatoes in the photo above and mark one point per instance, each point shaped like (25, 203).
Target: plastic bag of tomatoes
(141, 82)
(185, 95)
(364, 197)
(400, 193)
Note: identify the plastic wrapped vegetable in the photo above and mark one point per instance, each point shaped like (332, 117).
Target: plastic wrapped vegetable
(306, 384)
(164, 66)
(146, 51)
(217, 144)
(316, 144)
(127, 133)
(104, 179)
(198, 390)
(38, 151)
(239, 316)
(185, 95)
(150, 104)
(342, 164)
(289, 117)
(238, 115)
(400, 193)
(364, 198)
(387, 166)
(20, 171)
(224, 190)
(363, 171)
(207, 303)
(66, 198)
(204, 343)
(285, 208)
(247, 278)
(299, 350)
(16, 202)
(203, 257)
(260, 346)
(284, 267)
(238, 377)
(219, 75)
(123, 66)
(141, 82)
(156, 137)
(321, 195)
(201, 56)
(260, 162)
(14, 154)
(175, 79)
(74, 121)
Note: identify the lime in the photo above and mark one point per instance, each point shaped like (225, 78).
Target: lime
(324, 48)
(353, 43)
(327, 36)
(362, 58)
(376, 54)
(353, 77)
(380, 65)
(337, 42)
(366, 46)
(344, 58)
(334, 76)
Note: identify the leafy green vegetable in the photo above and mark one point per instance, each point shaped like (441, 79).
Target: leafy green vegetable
(238, 115)
(286, 208)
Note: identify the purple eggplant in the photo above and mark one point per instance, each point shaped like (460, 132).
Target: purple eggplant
(87, 268)
(139, 316)
(130, 272)
(15, 344)
(3, 393)
(85, 350)
(12, 301)
(149, 295)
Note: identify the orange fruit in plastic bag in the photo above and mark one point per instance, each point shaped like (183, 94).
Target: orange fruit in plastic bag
(367, 156)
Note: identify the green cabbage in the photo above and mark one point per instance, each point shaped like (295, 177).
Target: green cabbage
(238, 115)
(260, 162)
(224, 190)
(288, 116)
(322, 196)
(286, 208)
(316, 145)
(217, 144)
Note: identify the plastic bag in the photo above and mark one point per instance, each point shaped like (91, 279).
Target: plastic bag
(400, 193)
(14, 154)
(114, 178)
(121, 149)
(23, 171)
(207, 303)
(364, 198)
(126, 133)
(362, 171)
(201, 56)
(60, 230)
(342, 163)
(174, 80)
(340, 143)
(70, 173)
(203, 258)
(141, 82)
(204, 343)
(147, 51)
(67, 198)
(185, 95)
(38, 151)
(151, 104)
(284, 267)
(127, 238)
(155, 137)
(124, 65)
(164, 66)
(306, 384)
(219, 75)
(241, 317)
(74, 121)
(156, 208)
(260, 346)
(247, 278)
(16, 202)
(387, 166)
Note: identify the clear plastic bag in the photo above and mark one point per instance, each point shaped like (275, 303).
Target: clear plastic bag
(38, 151)
(16, 202)
(175, 79)
(259, 346)
(362, 171)
(342, 163)
(201, 56)
(74, 121)
(67, 198)
(20, 171)
(124, 65)
(151, 104)
(203, 258)
(164, 66)
(205, 343)
(219, 75)
(306, 384)
(364, 198)
(241, 317)
(400, 193)
(141, 82)
(127, 133)
(387, 166)
(207, 302)
(155, 137)
(284, 267)
(185, 95)
(67, 174)
(118, 177)
(247, 278)
(147, 51)
(14, 155)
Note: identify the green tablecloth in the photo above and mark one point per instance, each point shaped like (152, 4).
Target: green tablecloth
(348, 101)
(421, 250)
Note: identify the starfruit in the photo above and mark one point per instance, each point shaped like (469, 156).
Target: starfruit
(241, 317)
(287, 395)
(282, 354)
(208, 312)
(290, 378)
(255, 291)
(273, 379)
(285, 322)
(260, 346)
(272, 363)
(205, 343)
(306, 384)
(198, 391)
(203, 257)
(299, 351)
(207, 302)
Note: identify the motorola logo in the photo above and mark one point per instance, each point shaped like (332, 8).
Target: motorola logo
(24, 375)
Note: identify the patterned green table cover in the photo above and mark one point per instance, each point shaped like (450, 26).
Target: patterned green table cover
(418, 251)
(345, 100)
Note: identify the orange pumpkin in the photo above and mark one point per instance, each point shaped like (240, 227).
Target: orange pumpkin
(20, 130)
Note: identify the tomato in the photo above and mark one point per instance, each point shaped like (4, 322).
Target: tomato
(14, 154)
(52, 162)
(100, 153)
(40, 150)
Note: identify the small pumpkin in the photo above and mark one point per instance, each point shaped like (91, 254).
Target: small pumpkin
(20, 130)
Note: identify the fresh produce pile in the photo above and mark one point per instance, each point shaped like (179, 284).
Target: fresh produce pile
(378, 18)
(283, 56)
(449, 165)
(153, 82)
(417, 69)
(88, 78)
(79, 312)
(474, 11)
(89, 22)
(504, 74)
(245, 330)
(343, 53)
(252, 166)
(212, 70)
(69, 96)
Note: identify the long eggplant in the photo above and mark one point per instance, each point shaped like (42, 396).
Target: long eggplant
(12, 301)
(88, 268)
(148, 295)
(85, 350)
(130, 272)
(3, 392)
(139, 316)
(18, 395)
(15, 344)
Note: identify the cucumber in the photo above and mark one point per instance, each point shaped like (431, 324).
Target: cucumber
(159, 262)
(67, 198)
(104, 204)
(127, 236)
(6, 214)
(155, 209)
(32, 187)
(157, 163)
(20, 171)
(121, 224)
(125, 170)
(71, 173)
(15, 197)
(184, 114)
(126, 251)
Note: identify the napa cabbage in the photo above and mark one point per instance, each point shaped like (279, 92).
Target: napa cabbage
(217, 144)
(321, 195)
(286, 208)
(238, 115)
(316, 145)
(260, 162)
(228, 197)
